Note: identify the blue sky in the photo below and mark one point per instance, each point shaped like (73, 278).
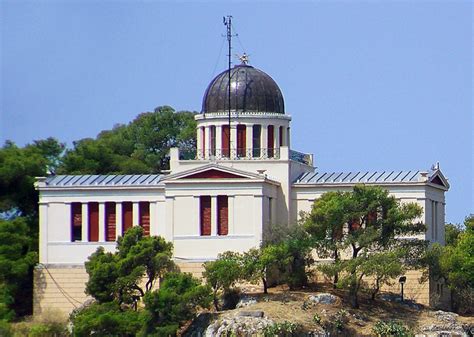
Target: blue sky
(370, 85)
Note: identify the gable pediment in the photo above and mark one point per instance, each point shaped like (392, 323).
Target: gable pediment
(213, 174)
(437, 178)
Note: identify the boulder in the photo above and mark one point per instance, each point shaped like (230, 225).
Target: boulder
(323, 298)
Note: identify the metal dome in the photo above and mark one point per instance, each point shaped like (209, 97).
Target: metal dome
(252, 90)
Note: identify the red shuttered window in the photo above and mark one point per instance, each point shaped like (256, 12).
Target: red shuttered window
(145, 217)
(110, 221)
(225, 141)
(76, 221)
(222, 215)
(205, 215)
(127, 216)
(270, 141)
(93, 221)
(241, 140)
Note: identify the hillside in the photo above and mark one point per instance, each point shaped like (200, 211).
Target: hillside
(307, 317)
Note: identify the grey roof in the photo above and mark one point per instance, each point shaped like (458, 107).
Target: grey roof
(104, 180)
(362, 177)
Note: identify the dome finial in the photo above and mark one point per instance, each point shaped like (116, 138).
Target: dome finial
(244, 58)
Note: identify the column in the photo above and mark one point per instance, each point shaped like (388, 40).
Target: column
(263, 141)
(288, 137)
(233, 141)
(43, 232)
(85, 222)
(198, 140)
(218, 141)
(136, 213)
(214, 215)
(153, 219)
(196, 215)
(118, 220)
(101, 221)
(249, 143)
(258, 219)
(169, 219)
(230, 210)
(207, 142)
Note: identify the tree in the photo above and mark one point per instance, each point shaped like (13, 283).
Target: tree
(223, 273)
(142, 146)
(452, 232)
(257, 262)
(177, 300)
(374, 222)
(17, 259)
(119, 276)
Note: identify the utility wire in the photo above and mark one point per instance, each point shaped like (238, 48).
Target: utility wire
(61, 290)
(218, 58)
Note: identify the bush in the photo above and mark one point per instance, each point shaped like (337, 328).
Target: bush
(391, 328)
(48, 329)
(5, 329)
(231, 299)
(106, 320)
(281, 329)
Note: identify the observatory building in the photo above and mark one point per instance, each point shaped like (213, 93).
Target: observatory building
(242, 178)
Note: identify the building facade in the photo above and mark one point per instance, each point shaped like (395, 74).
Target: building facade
(242, 178)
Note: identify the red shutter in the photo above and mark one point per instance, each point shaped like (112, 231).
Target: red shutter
(270, 139)
(93, 221)
(206, 214)
(241, 140)
(222, 215)
(127, 216)
(76, 221)
(145, 217)
(110, 221)
(225, 141)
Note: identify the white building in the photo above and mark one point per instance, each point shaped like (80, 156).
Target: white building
(217, 198)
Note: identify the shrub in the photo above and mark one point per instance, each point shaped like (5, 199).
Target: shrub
(5, 329)
(48, 329)
(281, 329)
(391, 328)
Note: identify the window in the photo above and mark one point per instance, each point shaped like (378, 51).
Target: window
(280, 134)
(225, 141)
(76, 221)
(222, 215)
(205, 215)
(144, 208)
(256, 143)
(203, 140)
(270, 141)
(241, 140)
(213, 140)
(110, 221)
(93, 221)
(127, 216)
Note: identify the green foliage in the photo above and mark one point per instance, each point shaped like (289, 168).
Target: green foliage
(18, 169)
(16, 264)
(106, 319)
(391, 328)
(142, 146)
(317, 319)
(455, 263)
(5, 328)
(119, 276)
(223, 273)
(282, 329)
(365, 221)
(48, 329)
(177, 300)
(452, 232)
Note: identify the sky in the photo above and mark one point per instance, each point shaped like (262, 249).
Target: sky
(369, 85)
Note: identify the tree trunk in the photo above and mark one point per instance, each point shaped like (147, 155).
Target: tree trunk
(353, 289)
(376, 289)
(216, 302)
(265, 285)
(336, 275)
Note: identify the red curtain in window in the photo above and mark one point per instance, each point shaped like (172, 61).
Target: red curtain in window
(222, 215)
(270, 140)
(127, 216)
(205, 215)
(76, 221)
(225, 141)
(93, 221)
(241, 140)
(110, 221)
(145, 217)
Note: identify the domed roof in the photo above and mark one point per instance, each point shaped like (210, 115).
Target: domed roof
(252, 90)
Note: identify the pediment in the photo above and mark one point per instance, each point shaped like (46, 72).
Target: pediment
(437, 178)
(213, 172)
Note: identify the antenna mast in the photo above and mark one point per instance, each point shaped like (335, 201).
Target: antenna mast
(228, 24)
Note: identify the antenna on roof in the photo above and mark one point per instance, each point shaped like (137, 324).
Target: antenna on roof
(228, 23)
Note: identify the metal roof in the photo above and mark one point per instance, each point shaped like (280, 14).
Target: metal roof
(363, 177)
(104, 180)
